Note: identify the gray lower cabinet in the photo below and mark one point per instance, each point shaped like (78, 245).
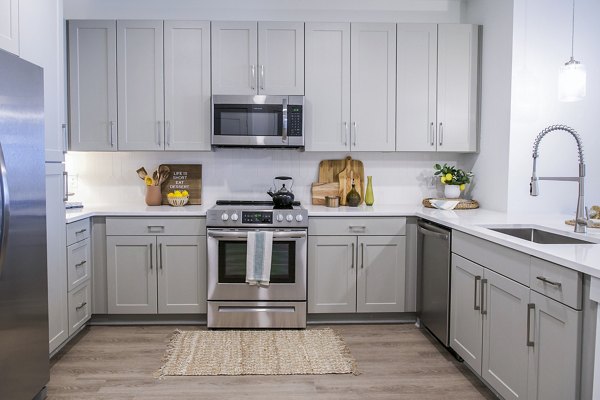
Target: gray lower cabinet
(356, 274)
(523, 343)
(156, 274)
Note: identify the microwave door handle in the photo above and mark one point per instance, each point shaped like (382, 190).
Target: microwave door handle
(284, 135)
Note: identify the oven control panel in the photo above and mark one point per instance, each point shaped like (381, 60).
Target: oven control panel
(257, 217)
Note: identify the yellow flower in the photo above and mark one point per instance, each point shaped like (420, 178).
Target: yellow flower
(463, 186)
(148, 180)
(448, 176)
(443, 179)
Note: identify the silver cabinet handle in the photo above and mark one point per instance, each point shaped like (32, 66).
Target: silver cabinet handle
(352, 265)
(79, 307)
(79, 232)
(362, 255)
(158, 131)
(345, 133)
(252, 77)
(4, 232)
(111, 125)
(81, 264)
(475, 306)
(160, 259)
(262, 77)
(284, 118)
(357, 228)
(427, 232)
(549, 282)
(66, 186)
(168, 133)
(432, 134)
(355, 125)
(530, 307)
(482, 300)
(65, 138)
(156, 228)
(441, 134)
(151, 257)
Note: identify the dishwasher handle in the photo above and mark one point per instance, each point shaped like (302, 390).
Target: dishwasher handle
(438, 235)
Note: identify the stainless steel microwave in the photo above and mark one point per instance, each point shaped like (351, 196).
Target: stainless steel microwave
(257, 121)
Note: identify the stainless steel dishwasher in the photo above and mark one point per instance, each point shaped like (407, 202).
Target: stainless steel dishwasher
(433, 257)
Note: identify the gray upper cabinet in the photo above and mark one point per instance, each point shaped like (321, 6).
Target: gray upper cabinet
(187, 85)
(93, 85)
(437, 87)
(258, 58)
(373, 86)
(9, 26)
(140, 85)
(327, 102)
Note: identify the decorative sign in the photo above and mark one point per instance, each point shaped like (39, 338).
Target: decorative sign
(184, 177)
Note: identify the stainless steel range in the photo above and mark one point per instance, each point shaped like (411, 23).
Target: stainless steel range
(232, 303)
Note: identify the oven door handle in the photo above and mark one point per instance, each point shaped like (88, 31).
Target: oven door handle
(244, 235)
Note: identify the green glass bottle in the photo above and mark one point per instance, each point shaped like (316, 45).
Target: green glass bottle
(353, 198)
(369, 199)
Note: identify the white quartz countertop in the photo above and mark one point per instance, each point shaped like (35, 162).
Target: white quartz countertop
(581, 257)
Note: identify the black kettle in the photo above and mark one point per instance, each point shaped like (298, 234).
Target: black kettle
(283, 197)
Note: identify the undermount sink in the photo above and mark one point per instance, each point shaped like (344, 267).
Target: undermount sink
(537, 235)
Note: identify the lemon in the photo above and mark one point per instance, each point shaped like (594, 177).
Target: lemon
(463, 186)
(448, 177)
(185, 193)
(170, 195)
(177, 194)
(443, 179)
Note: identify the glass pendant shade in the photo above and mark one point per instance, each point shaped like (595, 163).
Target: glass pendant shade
(572, 81)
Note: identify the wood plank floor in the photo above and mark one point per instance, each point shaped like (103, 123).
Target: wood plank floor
(395, 361)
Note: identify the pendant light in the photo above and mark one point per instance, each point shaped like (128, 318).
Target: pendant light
(572, 77)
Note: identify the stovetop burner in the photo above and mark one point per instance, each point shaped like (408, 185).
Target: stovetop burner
(255, 203)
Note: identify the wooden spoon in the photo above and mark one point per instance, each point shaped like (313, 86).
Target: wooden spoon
(142, 173)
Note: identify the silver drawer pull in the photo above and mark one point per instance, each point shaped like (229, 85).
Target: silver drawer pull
(79, 307)
(79, 232)
(81, 264)
(156, 228)
(549, 282)
(358, 228)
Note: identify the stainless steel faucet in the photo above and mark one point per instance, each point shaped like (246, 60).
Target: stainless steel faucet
(581, 221)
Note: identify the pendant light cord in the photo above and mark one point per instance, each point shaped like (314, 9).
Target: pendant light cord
(573, 30)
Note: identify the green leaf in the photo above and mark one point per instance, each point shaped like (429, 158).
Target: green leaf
(438, 166)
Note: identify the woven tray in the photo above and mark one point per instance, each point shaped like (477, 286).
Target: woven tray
(593, 224)
(463, 205)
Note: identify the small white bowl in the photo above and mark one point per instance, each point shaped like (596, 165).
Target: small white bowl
(178, 201)
(444, 204)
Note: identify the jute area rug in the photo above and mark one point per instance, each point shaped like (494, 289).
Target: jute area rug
(257, 352)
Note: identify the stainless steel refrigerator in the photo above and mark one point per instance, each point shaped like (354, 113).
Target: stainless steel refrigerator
(24, 366)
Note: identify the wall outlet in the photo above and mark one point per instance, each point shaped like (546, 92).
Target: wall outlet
(73, 182)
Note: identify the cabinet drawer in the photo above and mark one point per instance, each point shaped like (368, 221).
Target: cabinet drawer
(79, 307)
(557, 282)
(357, 226)
(78, 230)
(78, 263)
(156, 226)
(505, 261)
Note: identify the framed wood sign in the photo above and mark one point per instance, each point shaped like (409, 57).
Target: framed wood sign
(183, 177)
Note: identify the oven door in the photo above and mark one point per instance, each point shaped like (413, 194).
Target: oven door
(227, 267)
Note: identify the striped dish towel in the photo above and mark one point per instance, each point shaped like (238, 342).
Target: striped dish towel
(258, 258)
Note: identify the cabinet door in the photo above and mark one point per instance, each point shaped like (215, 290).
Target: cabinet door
(466, 325)
(187, 85)
(131, 274)
(327, 101)
(555, 352)
(457, 88)
(505, 351)
(56, 237)
(416, 91)
(381, 274)
(281, 58)
(93, 85)
(234, 57)
(140, 85)
(373, 87)
(332, 274)
(9, 26)
(181, 274)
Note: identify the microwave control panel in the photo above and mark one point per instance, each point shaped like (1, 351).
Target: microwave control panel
(294, 120)
(257, 217)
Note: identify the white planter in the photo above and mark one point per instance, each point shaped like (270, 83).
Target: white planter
(452, 191)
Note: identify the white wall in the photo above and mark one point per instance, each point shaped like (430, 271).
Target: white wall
(110, 178)
(542, 40)
(490, 165)
(281, 10)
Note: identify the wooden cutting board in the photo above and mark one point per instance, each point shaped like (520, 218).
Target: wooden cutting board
(320, 190)
(353, 171)
(330, 169)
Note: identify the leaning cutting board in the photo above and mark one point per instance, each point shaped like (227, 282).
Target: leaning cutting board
(321, 190)
(342, 171)
(184, 177)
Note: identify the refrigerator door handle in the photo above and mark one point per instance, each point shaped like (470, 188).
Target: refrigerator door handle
(5, 210)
